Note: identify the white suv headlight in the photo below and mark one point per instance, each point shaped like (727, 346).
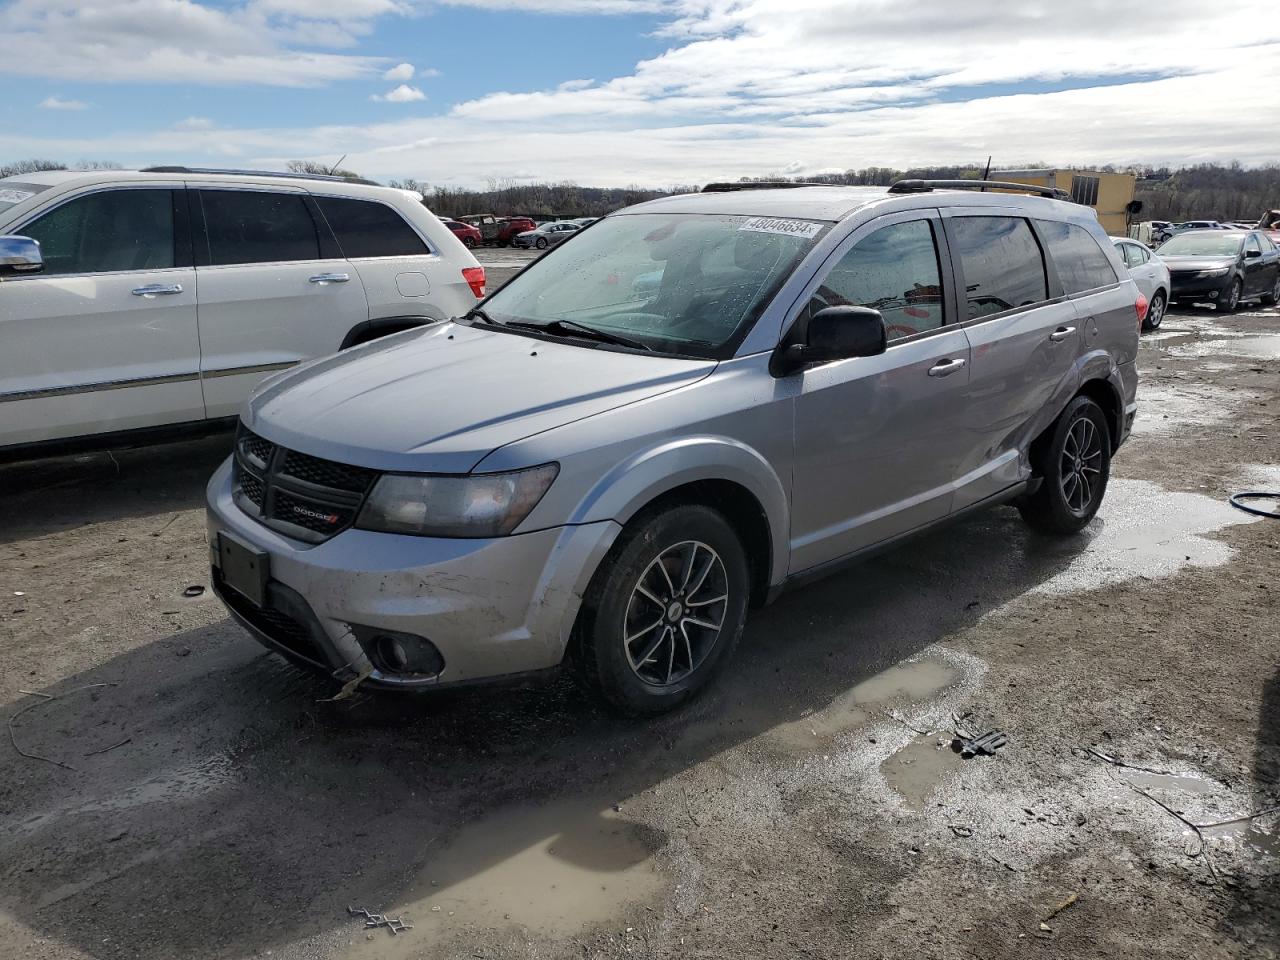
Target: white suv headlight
(475, 506)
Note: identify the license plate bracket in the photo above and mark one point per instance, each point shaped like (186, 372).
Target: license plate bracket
(245, 569)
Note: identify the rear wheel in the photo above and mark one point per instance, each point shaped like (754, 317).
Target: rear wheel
(1229, 300)
(1074, 464)
(469, 241)
(1273, 297)
(1155, 312)
(541, 243)
(664, 612)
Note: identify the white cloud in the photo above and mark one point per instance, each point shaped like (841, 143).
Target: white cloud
(194, 123)
(746, 87)
(403, 71)
(55, 102)
(401, 94)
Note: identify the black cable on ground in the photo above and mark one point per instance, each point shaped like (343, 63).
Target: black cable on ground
(1255, 495)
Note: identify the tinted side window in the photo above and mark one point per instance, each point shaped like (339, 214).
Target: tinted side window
(368, 229)
(894, 270)
(1080, 261)
(107, 232)
(1252, 243)
(1002, 263)
(247, 226)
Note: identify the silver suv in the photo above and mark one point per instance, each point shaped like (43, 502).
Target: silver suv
(698, 402)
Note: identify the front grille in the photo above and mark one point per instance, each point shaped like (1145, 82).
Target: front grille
(302, 496)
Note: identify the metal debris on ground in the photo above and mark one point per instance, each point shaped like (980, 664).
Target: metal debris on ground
(396, 925)
(988, 743)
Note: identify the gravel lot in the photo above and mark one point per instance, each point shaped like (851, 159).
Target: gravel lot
(206, 802)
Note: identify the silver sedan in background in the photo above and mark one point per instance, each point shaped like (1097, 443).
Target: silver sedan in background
(1152, 277)
(547, 235)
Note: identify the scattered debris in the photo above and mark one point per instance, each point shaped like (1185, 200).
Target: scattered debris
(1060, 907)
(893, 715)
(987, 744)
(46, 698)
(195, 590)
(94, 753)
(960, 831)
(350, 686)
(396, 925)
(1203, 848)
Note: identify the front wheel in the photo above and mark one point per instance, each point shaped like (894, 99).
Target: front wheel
(542, 243)
(1229, 300)
(1074, 464)
(470, 242)
(1155, 312)
(664, 612)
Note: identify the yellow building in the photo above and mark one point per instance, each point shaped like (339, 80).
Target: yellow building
(1107, 193)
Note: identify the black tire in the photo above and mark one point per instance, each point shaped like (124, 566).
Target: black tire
(1272, 298)
(1230, 298)
(541, 243)
(1155, 312)
(470, 242)
(1061, 504)
(650, 554)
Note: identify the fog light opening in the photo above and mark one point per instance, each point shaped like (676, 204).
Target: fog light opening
(404, 654)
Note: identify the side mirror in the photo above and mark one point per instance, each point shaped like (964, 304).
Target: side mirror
(1252, 254)
(835, 333)
(19, 255)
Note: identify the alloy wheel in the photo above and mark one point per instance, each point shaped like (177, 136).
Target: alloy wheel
(676, 611)
(1233, 296)
(1081, 465)
(1155, 313)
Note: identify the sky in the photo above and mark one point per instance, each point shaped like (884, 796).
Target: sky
(466, 93)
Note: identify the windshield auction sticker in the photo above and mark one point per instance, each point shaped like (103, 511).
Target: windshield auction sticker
(15, 196)
(787, 228)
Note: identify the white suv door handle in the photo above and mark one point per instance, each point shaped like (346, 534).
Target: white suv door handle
(157, 290)
(945, 368)
(1061, 334)
(330, 278)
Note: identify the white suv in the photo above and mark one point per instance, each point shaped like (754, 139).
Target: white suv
(139, 302)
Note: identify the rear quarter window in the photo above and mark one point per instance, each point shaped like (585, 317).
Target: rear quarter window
(366, 228)
(1077, 255)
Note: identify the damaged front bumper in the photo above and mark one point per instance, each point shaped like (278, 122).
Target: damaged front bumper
(490, 608)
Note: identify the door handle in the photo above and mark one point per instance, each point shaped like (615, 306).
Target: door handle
(1061, 334)
(157, 290)
(945, 368)
(330, 278)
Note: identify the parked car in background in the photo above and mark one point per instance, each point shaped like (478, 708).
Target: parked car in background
(152, 301)
(1269, 223)
(1197, 225)
(585, 221)
(574, 474)
(547, 235)
(1223, 267)
(1161, 230)
(469, 235)
(498, 231)
(1152, 277)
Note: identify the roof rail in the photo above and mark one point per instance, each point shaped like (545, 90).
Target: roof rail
(926, 186)
(202, 171)
(759, 185)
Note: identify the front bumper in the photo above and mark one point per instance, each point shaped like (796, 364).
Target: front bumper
(492, 608)
(1190, 286)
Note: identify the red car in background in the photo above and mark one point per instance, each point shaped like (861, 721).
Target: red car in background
(498, 230)
(1270, 224)
(465, 232)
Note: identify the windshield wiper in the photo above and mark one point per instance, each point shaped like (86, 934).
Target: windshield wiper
(484, 317)
(572, 327)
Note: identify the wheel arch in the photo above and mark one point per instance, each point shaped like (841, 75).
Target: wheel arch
(368, 330)
(718, 472)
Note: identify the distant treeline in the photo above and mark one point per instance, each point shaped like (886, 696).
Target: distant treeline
(1201, 192)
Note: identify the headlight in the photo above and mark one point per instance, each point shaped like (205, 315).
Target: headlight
(479, 505)
(1220, 272)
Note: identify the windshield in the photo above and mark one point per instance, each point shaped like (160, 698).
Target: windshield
(1202, 245)
(689, 284)
(13, 193)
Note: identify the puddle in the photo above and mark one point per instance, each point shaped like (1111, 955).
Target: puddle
(916, 771)
(864, 704)
(1163, 410)
(1185, 783)
(553, 869)
(1144, 530)
(1262, 347)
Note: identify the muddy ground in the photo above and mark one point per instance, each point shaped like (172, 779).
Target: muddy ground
(198, 799)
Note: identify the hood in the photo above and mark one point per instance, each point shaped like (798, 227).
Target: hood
(1190, 264)
(440, 398)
